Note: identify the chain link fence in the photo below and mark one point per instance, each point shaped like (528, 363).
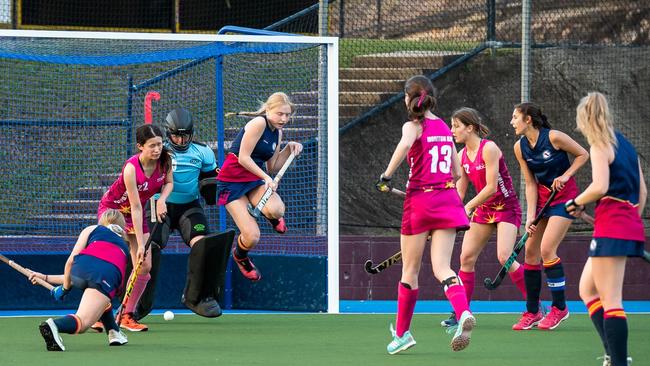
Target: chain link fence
(577, 47)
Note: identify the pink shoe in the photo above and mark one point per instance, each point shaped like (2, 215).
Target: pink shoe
(279, 225)
(553, 318)
(528, 321)
(246, 267)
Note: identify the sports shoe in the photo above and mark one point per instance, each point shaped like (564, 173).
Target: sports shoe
(553, 318)
(128, 322)
(279, 225)
(449, 322)
(607, 361)
(461, 338)
(246, 267)
(98, 327)
(528, 321)
(399, 344)
(50, 333)
(116, 338)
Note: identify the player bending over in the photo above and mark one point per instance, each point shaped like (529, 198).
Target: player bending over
(96, 266)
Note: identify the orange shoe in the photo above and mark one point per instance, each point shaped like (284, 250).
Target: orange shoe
(129, 323)
(528, 321)
(98, 327)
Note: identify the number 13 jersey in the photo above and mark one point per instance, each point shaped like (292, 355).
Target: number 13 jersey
(430, 157)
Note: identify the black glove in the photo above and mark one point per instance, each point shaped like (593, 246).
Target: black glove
(573, 208)
(383, 184)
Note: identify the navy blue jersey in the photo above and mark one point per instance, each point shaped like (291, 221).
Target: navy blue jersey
(265, 147)
(103, 234)
(544, 161)
(624, 179)
(187, 165)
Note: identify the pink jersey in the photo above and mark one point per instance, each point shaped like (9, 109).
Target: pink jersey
(430, 157)
(432, 202)
(116, 197)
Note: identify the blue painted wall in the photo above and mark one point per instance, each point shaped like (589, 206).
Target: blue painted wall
(289, 283)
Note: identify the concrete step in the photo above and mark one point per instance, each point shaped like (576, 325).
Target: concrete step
(360, 85)
(91, 193)
(108, 178)
(354, 109)
(364, 97)
(310, 109)
(75, 206)
(305, 97)
(406, 59)
(62, 224)
(377, 73)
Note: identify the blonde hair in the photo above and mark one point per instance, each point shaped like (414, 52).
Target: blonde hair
(276, 100)
(114, 220)
(594, 120)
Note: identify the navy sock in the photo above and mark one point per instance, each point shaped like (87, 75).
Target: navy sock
(67, 324)
(108, 319)
(596, 313)
(240, 252)
(556, 282)
(615, 324)
(533, 280)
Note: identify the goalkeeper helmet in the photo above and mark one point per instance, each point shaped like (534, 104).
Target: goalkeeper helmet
(179, 123)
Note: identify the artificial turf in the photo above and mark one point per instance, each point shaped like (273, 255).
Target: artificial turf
(318, 339)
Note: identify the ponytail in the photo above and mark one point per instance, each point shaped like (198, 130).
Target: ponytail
(535, 113)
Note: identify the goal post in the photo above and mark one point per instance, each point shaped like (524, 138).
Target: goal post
(72, 100)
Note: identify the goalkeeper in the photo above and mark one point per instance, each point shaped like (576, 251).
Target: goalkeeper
(195, 170)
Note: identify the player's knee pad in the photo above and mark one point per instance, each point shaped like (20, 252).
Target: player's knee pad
(192, 223)
(206, 266)
(451, 281)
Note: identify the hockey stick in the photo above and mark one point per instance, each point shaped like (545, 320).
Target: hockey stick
(374, 269)
(134, 276)
(590, 220)
(25, 272)
(255, 212)
(493, 284)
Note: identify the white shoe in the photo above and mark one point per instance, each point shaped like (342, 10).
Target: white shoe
(116, 338)
(461, 338)
(607, 361)
(50, 334)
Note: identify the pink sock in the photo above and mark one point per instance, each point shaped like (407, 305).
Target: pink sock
(138, 288)
(458, 299)
(406, 299)
(468, 279)
(517, 278)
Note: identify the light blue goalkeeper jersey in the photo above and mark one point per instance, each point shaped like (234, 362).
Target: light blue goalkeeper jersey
(187, 165)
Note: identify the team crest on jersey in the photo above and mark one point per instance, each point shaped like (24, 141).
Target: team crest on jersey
(174, 164)
(273, 146)
(466, 167)
(546, 154)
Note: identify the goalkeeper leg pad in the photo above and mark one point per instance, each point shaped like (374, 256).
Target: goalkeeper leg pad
(206, 270)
